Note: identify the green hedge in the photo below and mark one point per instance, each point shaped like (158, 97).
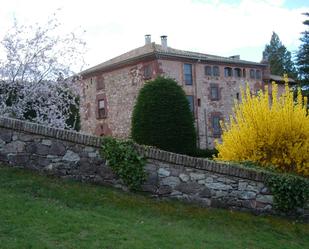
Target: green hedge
(162, 117)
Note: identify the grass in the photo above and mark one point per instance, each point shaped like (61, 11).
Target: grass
(43, 212)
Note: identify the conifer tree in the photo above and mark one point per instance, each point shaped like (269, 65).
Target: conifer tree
(303, 54)
(279, 58)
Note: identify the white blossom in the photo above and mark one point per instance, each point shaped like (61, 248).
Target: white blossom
(36, 76)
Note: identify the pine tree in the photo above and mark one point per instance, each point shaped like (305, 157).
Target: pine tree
(279, 58)
(303, 54)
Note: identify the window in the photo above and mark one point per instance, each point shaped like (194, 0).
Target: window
(258, 74)
(244, 73)
(191, 102)
(147, 72)
(252, 74)
(216, 71)
(100, 82)
(188, 74)
(237, 72)
(228, 72)
(208, 70)
(216, 125)
(214, 92)
(101, 108)
(237, 96)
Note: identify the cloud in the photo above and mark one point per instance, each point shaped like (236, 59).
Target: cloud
(215, 27)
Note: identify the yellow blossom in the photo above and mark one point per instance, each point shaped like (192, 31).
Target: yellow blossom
(269, 130)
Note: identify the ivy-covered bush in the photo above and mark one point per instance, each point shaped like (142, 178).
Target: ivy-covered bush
(124, 160)
(162, 117)
(269, 131)
(289, 191)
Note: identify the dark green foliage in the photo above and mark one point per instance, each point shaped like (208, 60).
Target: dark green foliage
(162, 117)
(303, 54)
(206, 153)
(124, 161)
(290, 191)
(279, 58)
(74, 116)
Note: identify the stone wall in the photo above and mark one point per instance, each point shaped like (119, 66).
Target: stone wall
(74, 155)
(121, 87)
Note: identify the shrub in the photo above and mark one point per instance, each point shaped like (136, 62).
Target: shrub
(162, 117)
(269, 133)
(289, 191)
(124, 161)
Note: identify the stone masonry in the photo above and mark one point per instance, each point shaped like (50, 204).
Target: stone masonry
(73, 155)
(119, 80)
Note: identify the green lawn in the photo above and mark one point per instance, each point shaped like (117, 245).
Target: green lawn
(42, 212)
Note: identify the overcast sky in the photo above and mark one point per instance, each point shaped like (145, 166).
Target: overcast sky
(210, 26)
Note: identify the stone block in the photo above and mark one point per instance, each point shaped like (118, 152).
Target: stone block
(14, 147)
(71, 156)
(2, 142)
(247, 195)
(93, 154)
(171, 181)
(57, 148)
(219, 186)
(205, 193)
(164, 190)
(184, 177)
(26, 137)
(42, 149)
(163, 172)
(265, 199)
(46, 142)
(189, 187)
(6, 136)
(242, 185)
(89, 149)
(197, 176)
(265, 191)
(250, 204)
(152, 178)
(225, 180)
(18, 159)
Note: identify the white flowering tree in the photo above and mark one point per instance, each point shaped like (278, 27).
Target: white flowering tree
(36, 76)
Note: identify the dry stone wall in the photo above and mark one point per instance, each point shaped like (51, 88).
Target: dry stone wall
(73, 155)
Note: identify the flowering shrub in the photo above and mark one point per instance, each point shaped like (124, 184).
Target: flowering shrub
(269, 130)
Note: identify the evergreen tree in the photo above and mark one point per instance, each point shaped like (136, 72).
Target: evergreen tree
(279, 58)
(303, 54)
(162, 117)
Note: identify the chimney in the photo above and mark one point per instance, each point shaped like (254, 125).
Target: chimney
(164, 41)
(147, 39)
(235, 57)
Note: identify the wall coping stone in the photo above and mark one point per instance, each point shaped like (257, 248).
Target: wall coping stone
(66, 135)
(146, 151)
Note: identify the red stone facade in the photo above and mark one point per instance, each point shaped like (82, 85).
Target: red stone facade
(119, 83)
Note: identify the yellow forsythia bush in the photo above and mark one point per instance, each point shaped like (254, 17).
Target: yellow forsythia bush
(268, 130)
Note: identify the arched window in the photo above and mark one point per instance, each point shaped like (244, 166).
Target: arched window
(228, 72)
(252, 73)
(258, 74)
(237, 72)
(216, 71)
(208, 70)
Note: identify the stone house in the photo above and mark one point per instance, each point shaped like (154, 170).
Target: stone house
(211, 83)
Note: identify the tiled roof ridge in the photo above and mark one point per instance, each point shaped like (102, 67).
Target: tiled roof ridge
(157, 49)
